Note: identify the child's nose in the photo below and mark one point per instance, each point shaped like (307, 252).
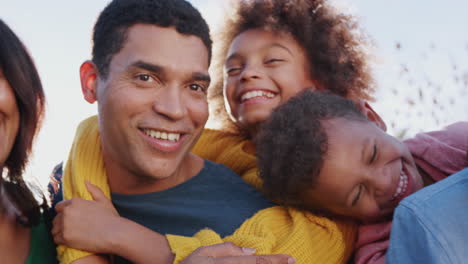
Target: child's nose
(382, 183)
(250, 72)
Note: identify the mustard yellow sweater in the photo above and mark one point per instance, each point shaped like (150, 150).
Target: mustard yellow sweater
(276, 230)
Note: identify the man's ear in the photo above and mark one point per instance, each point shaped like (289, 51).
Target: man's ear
(88, 78)
(371, 115)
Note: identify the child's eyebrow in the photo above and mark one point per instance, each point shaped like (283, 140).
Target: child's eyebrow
(232, 57)
(277, 45)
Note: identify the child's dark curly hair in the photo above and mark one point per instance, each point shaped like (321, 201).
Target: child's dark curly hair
(333, 42)
(292, 143)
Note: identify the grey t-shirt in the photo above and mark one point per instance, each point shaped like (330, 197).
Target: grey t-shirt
(216, 198)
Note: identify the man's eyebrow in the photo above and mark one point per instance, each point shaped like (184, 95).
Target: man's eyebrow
(147, 66)
(199, 76)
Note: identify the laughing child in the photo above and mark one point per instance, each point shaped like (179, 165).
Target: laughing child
(332, 156)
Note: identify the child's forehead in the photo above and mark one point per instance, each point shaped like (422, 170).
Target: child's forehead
(334, 123)
(348, 131)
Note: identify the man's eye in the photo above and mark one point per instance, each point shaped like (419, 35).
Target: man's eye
(196, 87)
(144, 77)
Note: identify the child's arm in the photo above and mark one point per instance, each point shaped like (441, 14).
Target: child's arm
(278, 230)
(92, 259)
(95, 226)
(372, 243)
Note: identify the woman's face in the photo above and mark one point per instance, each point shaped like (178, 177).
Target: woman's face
(262, 71)
(9, 118)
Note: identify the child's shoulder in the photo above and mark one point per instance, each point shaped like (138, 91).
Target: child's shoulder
(455, 134)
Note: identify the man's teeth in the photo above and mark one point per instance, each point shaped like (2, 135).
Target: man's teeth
(402, 184)
(162, 135)
(253, 94)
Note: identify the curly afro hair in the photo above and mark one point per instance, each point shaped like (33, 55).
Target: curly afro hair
(111, 27)
(292, 144)
(333, 42)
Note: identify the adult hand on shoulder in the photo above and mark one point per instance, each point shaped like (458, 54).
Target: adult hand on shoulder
(86, 225)
(228, 253)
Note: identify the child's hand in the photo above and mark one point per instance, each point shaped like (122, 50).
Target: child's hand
(86, 225)
(228, 253)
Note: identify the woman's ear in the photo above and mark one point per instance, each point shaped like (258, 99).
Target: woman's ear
(371, 115)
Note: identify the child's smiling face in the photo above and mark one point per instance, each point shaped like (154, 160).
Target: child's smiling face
(262, 71)
(365, 173)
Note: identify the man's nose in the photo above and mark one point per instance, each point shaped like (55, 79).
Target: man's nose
(170, 103)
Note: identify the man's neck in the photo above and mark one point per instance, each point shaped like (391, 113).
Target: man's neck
(124, 181)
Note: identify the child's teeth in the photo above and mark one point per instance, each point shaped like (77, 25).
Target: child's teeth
(402, 184)
(252, 94)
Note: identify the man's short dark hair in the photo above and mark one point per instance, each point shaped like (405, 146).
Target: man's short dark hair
(112, 25)
(292, 143)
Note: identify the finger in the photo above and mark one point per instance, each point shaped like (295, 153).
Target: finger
(57, 230)
(58, 239)
(224, 250)
(57, 224)
(61, 205)
(96, 193)
(262, 259)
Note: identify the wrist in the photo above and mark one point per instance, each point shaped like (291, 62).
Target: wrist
(115, 238)
(139, 244)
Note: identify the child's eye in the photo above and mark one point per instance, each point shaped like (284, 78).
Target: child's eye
(374, 154)
(273, 60)
(358, 195)
(233, 71)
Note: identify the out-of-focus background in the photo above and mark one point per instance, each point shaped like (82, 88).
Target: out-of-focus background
(421, 62)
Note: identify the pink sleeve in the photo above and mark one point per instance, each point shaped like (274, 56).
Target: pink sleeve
(441, 153)
(372, 243)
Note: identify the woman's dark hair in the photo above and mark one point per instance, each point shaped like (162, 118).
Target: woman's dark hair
(292, 144)
(333, 42)
(21, 74)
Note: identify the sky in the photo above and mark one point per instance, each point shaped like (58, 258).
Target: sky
(420, 62)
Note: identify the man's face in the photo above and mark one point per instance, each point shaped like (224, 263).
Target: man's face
(366, 172)
(153, 105)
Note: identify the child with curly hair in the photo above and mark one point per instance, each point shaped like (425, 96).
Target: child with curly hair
(332, 156)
